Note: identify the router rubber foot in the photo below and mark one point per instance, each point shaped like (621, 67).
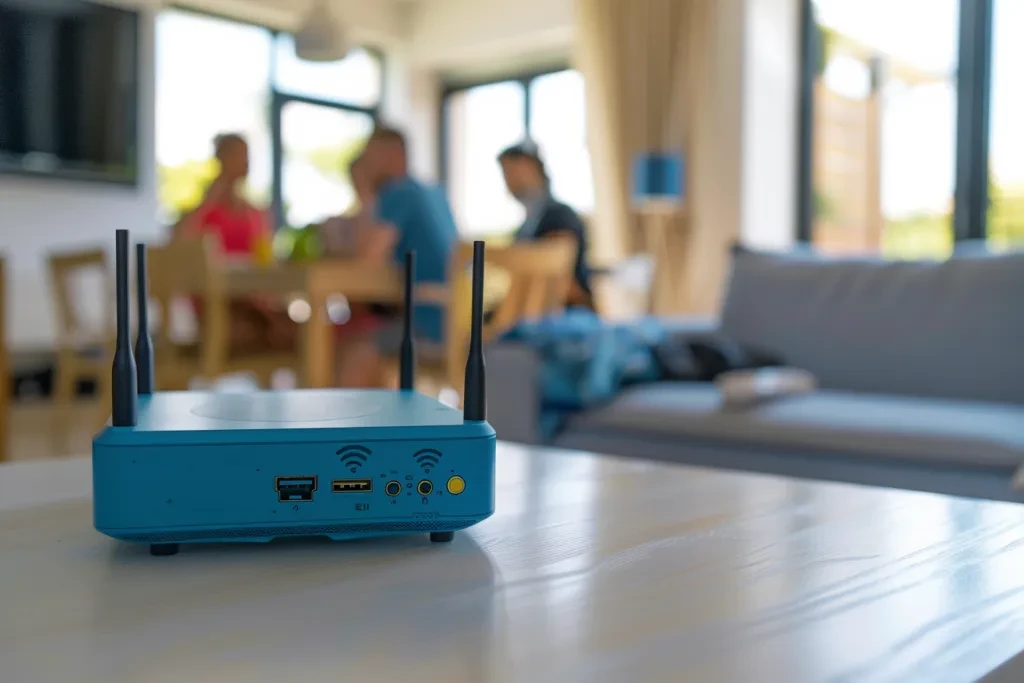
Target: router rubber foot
(163, 549)
(442, 536)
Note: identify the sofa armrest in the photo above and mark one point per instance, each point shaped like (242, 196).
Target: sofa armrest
(513, 392)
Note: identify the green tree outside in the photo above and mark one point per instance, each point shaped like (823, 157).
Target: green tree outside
(333, 161)
(931, 235)
(181, 188)
(1006, 217)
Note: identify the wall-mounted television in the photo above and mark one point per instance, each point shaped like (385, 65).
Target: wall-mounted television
(69, 90)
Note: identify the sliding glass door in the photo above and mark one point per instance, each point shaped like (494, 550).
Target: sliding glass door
(913, 126)
(885, 126)
(1006, 148)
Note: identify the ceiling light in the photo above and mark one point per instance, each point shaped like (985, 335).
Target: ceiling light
(321, 39)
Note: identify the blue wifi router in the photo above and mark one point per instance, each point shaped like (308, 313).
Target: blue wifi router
(201, 467)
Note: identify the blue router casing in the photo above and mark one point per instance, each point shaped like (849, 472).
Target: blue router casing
(216, 467)
(212, 466)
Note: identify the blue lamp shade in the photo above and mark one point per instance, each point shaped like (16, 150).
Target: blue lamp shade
(659, 178)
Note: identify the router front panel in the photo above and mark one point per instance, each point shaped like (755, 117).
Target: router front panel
(218, 492)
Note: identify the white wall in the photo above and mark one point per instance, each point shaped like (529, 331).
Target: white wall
(770, 122)
(412, 102)
(465, 35)
(370, 21)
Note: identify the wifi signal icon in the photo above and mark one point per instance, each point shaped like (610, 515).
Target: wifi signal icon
(427, 458)
(353, 457)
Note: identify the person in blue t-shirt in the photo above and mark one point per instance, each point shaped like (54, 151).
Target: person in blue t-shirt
(423, 222)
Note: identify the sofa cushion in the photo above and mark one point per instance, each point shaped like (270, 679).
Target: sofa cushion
(942, 431)
(952, 329)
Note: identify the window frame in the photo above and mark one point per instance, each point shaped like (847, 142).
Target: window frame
(975, 47)
(280, 98)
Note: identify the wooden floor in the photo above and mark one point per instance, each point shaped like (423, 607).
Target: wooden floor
(38, 431)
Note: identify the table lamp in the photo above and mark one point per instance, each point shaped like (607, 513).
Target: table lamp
(659, 182)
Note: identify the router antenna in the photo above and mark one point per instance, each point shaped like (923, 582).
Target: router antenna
(474, 399)
(407, 353)
(124, 411)
(143, 342)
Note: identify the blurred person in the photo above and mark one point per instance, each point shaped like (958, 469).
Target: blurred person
(224, 211)
(241, 230)
(359, 235)
(527, 181)
(423, 223)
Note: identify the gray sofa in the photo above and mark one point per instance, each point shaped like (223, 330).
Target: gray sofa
(920, 367)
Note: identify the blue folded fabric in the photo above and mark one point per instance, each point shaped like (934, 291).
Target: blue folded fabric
(586, 361)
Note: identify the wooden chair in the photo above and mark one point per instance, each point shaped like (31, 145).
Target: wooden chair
(83, 352)
(532, 281)
(5, 370)
(189, 269)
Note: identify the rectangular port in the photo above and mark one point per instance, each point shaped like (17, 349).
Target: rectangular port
(352, 485)
(295, 489)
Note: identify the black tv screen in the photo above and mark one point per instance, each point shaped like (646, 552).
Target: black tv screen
(68, 89)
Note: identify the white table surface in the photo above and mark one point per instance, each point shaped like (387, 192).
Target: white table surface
(593, 569)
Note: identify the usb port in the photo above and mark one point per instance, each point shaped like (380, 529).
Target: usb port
(352, 485)
(294, 489)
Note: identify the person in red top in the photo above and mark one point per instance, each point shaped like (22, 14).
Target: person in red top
(241, 229)
(224, 211)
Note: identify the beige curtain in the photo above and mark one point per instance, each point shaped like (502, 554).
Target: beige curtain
(652, 73)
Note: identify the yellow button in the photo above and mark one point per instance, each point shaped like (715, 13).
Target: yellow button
(456, 485)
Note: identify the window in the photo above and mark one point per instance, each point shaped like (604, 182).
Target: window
(884, 108)
(1006, 149)
(212, 77)
(318, 144)
(304, 121)
(355, 80)
(558, 124)
(913, 136)
(481, 120)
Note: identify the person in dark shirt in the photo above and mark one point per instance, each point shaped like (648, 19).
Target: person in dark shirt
(546, 217)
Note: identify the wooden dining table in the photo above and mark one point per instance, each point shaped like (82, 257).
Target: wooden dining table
(358, 282)
(317, 282)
